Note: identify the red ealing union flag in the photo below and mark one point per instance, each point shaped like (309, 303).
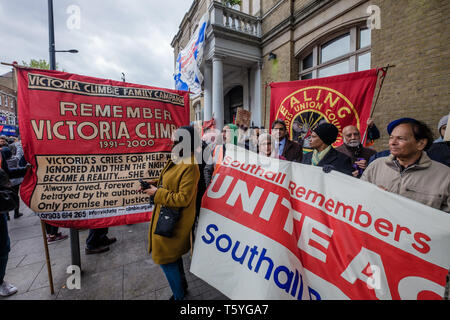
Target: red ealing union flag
(341, 100)
(89, 141)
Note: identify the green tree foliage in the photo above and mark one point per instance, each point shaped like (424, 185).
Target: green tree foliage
(38, 64)
(232, 2)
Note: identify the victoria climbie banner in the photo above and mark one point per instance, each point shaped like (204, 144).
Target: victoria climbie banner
(273, 229)
(89, 141)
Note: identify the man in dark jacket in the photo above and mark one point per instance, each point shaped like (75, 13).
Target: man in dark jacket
(440, 152)
(324, 155)
(288, 149)
(353, 148)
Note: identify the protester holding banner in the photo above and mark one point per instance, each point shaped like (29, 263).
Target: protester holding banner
(353, 148)
(229, 135)
(289, 149)
(408, 171)
(324, 155)
(174, 195)
(372, 132)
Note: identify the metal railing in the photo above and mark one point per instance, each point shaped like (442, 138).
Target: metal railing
(224, 16)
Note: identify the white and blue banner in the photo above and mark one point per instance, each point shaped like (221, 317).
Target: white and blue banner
(272, 229)
(187, 69)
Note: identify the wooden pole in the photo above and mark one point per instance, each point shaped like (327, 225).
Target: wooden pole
(14, 65)
(385, 70)
(47, 258)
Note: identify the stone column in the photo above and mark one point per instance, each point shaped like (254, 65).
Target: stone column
(207, 83)
(246, 88)
(217, 90)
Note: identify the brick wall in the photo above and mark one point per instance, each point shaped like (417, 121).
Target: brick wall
(299, 4)
(276, 71)
(414, 36)
(266, 5)
(278, 15)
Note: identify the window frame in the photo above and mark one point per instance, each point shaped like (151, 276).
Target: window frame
(352, 55)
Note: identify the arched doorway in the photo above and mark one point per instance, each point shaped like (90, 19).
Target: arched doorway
(233, 99)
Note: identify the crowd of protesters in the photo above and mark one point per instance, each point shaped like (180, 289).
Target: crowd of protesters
(407, 168)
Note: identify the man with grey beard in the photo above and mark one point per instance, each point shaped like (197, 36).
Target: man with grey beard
(353, 148)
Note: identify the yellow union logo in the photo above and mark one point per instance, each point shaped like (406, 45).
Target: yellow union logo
(305, 109)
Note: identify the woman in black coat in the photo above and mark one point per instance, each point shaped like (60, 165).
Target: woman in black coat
(324, 155)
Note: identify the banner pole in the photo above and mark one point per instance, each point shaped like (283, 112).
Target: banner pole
(47, 258)
(385, 70)
(265, 104)
(15, 65)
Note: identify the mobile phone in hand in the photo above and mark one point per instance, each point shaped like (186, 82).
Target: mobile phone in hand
(144, 184)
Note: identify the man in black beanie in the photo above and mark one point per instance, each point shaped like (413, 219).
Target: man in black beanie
(324, 155)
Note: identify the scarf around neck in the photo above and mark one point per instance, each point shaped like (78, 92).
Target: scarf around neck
(318, 156)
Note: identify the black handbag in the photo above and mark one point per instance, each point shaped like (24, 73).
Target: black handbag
(167, 220)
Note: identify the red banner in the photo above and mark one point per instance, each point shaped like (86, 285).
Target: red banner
(89, 141)
(341, 100)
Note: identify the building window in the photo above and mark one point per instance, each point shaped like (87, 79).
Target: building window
(6, 100)
(1, 100)
(348, 51)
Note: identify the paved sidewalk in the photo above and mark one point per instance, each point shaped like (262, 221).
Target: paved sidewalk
(126, 272)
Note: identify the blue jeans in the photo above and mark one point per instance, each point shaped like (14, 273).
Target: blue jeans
(4, 245)
(175, 276)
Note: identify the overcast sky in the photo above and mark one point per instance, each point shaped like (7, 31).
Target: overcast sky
(113, 36)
